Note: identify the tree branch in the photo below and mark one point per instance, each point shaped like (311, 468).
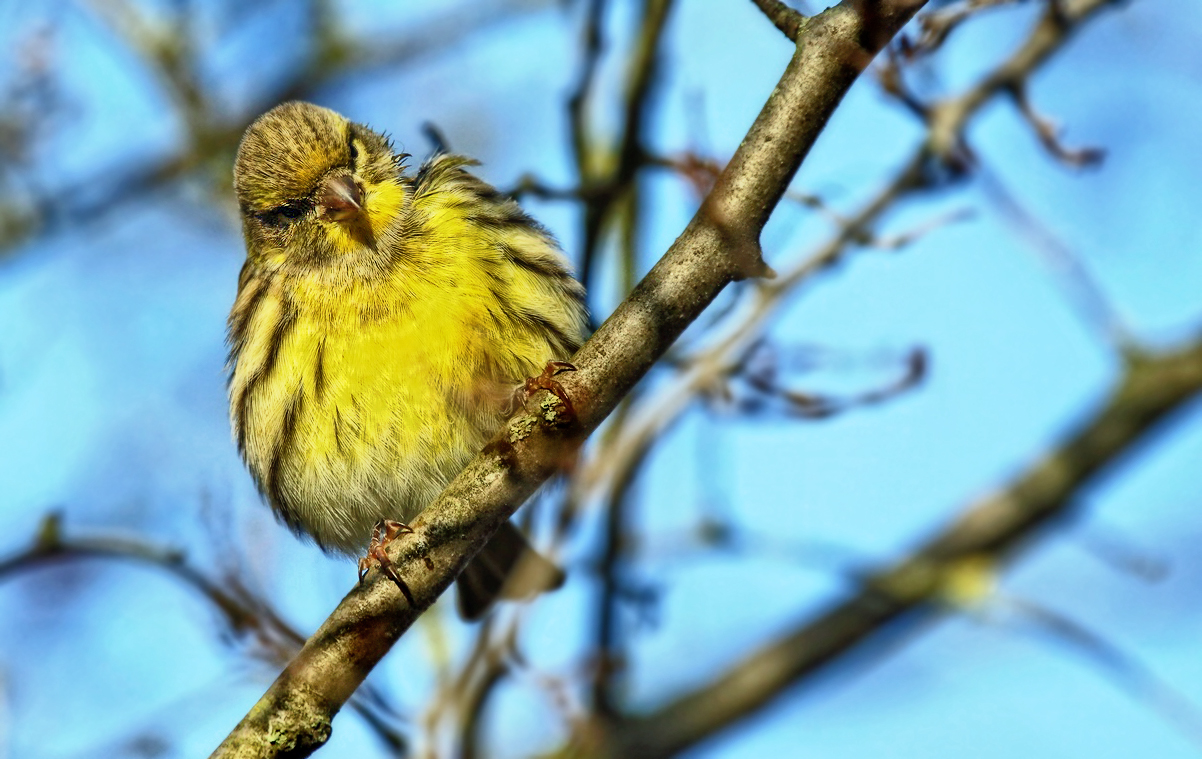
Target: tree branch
(719, 245)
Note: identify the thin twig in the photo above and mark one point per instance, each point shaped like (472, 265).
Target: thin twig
(789, 21)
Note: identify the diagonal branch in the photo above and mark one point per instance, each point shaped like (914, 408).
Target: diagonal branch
(719, 245)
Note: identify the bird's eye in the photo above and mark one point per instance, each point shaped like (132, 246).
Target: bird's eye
(354, 151)
(281, 214)
(292, 211)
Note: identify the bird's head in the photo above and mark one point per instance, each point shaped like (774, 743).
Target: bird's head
(312, 185)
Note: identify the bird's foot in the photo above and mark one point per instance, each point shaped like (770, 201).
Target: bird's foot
(382, 534)
(546, 381)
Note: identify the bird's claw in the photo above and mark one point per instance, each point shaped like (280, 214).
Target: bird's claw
(546, 381)
(382, 534)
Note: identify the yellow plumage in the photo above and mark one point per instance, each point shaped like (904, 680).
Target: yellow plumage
(382, 323)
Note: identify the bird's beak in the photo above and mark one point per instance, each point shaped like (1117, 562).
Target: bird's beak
(340, 199)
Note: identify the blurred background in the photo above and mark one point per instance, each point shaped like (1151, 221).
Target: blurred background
(998, 227)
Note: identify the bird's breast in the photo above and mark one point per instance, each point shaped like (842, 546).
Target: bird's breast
(364, 408)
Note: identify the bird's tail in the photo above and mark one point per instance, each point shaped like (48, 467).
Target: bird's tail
(507, 567)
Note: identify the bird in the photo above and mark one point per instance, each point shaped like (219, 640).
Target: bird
(382, 324)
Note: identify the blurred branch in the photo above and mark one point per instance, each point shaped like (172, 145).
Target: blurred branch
(761, 677)
(1115, 551)
(212, 137)
(294, 717)
(947, 118)
(31, 107)
(170, 54)
(1124, 669)
(1152, 388)
(582, 138)
(1048, 133)
(936, 25)
(1080, 289)
(245, 614)
(625, 207)
(492, 667)
(765, 383)
(609, 652)
(346, 56)
(607, 174)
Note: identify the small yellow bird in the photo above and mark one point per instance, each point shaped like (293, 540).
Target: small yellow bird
(381, 327)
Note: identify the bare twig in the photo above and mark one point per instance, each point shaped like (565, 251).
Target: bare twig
(823, 406)
(608, 174)
(1058, 23)
(1123, 668)
(789, 21)
(936, 25)
(1048, 133)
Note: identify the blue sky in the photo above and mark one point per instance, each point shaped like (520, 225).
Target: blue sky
(112, 405)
